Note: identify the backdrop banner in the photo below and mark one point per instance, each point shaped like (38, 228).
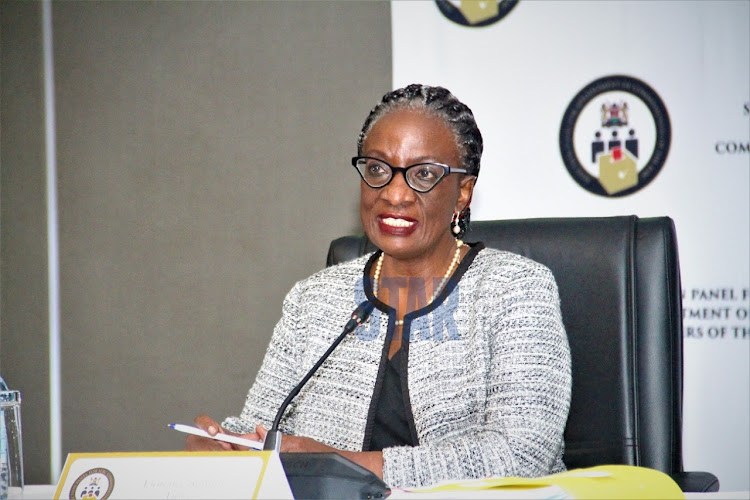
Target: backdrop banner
(617, 108)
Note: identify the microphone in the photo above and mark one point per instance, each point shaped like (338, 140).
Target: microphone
(359, 316)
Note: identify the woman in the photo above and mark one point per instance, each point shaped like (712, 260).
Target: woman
(463, 369)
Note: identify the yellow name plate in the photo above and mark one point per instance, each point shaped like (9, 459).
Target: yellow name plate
(152, 475)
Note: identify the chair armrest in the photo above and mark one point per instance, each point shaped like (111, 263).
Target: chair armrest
(697, 482)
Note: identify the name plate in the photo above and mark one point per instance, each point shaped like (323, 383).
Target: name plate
(189, 475)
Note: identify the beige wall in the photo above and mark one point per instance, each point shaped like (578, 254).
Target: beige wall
(202, 169)
(24, 361)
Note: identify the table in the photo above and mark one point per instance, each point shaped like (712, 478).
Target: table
(47, 492)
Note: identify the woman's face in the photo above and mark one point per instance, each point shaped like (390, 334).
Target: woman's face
(403, 223)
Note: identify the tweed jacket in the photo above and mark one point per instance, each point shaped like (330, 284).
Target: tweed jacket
(488, 372)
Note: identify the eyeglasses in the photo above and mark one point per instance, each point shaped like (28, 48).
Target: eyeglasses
(421, 177)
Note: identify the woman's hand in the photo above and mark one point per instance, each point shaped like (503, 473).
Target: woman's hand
(198, 443)
(371, 460)
(291, 443)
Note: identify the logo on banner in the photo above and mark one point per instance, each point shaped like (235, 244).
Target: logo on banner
(615, 136)
(475, 13)
(94, 484)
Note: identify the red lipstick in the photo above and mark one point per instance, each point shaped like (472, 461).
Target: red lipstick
(396, 225)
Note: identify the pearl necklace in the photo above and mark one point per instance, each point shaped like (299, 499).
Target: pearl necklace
(448, 273)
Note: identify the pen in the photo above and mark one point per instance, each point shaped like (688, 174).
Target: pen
(229, 438)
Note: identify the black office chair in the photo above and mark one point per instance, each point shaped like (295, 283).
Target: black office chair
(619, 281)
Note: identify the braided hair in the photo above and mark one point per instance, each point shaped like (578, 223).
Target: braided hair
(440, 103)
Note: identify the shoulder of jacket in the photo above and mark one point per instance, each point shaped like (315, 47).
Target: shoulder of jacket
(343, 274)
(501, 262)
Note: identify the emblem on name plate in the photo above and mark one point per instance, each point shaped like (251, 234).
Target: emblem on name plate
(94, 484)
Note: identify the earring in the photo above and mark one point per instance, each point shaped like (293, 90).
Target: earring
(454, 223)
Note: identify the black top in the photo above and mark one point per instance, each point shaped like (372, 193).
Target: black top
(389, 420)
(391, 426)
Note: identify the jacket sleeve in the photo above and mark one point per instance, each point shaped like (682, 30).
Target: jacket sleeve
(277, 375)
(527, 395)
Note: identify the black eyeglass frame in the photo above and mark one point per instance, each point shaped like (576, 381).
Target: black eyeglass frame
(446, 171)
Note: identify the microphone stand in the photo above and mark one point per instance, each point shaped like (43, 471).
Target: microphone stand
(359, 316)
